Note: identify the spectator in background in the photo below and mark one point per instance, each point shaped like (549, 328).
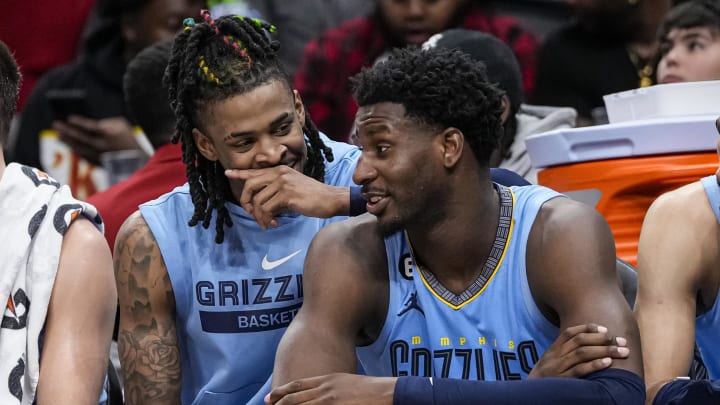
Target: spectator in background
(611, 46)
(520, 120)
(64, 25)
(70, 149)
(690, 43)
(148, 104)
(299, 22)
(342, 52)
(29, 46)
(56, 281)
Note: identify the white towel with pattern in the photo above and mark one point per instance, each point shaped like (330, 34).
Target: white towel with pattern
(35, 212)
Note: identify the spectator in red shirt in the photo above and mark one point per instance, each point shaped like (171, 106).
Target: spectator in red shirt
(63, 25)
(342, 52)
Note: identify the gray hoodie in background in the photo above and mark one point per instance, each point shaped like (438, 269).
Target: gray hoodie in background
(531, 120)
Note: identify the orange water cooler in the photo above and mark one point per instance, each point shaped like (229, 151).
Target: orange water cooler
(622, 167)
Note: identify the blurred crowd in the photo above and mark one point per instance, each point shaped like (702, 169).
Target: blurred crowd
(93, 110)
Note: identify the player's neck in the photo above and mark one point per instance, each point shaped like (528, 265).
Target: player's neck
(455, 247)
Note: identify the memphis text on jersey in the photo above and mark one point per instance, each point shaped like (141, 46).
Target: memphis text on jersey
(470, 357)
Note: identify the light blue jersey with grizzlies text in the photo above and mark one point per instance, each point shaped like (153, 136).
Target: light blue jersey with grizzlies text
(492, 331)
(234, 300)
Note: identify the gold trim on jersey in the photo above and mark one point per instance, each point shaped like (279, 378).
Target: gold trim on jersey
(495, 259)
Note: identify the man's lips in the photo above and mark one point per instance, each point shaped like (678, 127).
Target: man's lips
(376, 202)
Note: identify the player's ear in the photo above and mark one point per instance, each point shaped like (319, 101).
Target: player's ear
(505, 102)
(299, 107)
(204, 145)
(452, 144)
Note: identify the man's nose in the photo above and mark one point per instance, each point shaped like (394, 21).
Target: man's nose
(270, 152)
(364, 171)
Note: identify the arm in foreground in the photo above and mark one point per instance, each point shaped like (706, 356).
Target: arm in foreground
(677, 253)
(80, 320)
(335, 316)
(147, 340)
(579, 351)
(572, 274)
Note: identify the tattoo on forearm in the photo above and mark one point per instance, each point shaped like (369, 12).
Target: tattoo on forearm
(148, 346)
(153, 367)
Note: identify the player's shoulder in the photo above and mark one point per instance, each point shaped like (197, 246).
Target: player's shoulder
(357, 238)
(687, 199)
(82, 232)
(564, 211)
(562, 220)
(133, 229)
(678, 217)
(360, 227)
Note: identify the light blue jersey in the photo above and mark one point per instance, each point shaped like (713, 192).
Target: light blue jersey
(491, 331)
(234, 300)
(707, 325)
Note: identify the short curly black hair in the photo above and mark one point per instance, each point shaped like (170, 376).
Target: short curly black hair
(440, 88)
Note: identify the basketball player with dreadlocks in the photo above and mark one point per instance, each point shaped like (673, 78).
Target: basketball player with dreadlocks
(202, 311)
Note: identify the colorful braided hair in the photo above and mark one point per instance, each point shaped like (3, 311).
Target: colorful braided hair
(212, 61)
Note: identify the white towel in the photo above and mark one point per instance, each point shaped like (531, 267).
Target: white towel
(35, 212)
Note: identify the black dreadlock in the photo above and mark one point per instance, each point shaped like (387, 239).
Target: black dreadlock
(213, 61)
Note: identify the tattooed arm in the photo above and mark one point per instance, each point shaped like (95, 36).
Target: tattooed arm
(147, 339)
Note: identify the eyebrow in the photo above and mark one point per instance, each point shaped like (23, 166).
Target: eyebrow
(374, 128)
(280, 119)
(691, 35)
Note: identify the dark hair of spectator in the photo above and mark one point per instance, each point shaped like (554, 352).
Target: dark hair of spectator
(147, 97)
(691, 14)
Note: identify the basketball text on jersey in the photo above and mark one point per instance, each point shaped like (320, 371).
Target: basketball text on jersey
(217, 296)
